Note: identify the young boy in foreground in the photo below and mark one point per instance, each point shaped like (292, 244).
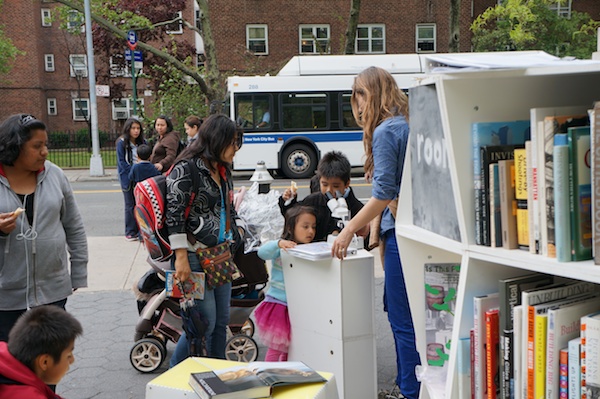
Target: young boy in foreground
(38, 353)
(334, 180)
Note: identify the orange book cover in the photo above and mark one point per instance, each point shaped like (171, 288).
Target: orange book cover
(492, 349)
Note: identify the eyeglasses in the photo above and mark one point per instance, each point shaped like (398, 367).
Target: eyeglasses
(27, 119)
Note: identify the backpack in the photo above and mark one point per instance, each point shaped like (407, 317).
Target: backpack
(150, 212)
(181, 147)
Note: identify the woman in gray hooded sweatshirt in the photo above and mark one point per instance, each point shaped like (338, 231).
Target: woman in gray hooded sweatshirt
(43, 246)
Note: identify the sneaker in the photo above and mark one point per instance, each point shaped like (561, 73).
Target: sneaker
(131, 238)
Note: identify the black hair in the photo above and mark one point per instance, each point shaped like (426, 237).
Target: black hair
(334, 164)
(291, 218)
(166, 119)
(127, 131)
(15, 131)
(43, 330)
(144, 152)
(216, 133)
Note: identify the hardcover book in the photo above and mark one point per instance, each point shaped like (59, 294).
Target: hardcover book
(488, 134)
(481, 304)
(552, 126)
(595, 147)
(463, 365)
(563, 378)
(580, 193)
(575, 368)
(590, 356)
(510, 296)
(254, 380)
(521, 198)
(192, 288)
(508, 204)
(492, 349)
(562, 220)
(495, 213)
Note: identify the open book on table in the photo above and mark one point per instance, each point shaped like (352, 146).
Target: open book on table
(254, 380)
(315, 251)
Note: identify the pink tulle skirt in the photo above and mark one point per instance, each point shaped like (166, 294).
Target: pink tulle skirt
(273, 322)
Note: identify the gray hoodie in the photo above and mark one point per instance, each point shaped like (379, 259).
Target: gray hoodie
(34, 266)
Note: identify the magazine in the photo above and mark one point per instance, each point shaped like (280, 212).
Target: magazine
(315, 251)
(193, 287)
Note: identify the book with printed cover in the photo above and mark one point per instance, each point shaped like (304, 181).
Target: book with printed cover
(254, 380)
(193, 287)
(590, 356)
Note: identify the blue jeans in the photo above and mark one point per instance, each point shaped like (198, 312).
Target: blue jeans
(215, 306)
(131, 227)
(8, 318)
(395, 302)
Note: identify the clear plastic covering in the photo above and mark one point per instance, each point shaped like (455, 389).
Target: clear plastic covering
(261, 214)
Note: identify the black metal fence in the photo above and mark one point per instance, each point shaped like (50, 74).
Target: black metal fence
(73, 149)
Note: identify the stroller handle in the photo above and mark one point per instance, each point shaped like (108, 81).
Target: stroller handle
(159, 266)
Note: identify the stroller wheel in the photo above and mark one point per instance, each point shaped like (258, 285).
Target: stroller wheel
(147, 355)
(248, 328)
(241, 348)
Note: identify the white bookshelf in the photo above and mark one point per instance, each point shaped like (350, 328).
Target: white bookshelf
(464, 98)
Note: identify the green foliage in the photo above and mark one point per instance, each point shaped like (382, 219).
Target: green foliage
(531, 25)
(8, 51)
(79, 139)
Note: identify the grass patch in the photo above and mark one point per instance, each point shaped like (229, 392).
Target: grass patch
(80, 158)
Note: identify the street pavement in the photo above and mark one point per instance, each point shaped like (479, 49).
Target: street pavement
(108, 312)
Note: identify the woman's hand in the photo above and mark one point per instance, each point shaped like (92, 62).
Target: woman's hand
(182, 265)
(8, 222)
(285, 244)
(341, 243)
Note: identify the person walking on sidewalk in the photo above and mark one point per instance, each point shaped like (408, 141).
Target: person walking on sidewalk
(39, 224)
(127, 145)
(381, 109)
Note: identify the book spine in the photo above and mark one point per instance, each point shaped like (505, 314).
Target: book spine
(508, 204)
(477, 184)
(582, 358)
(521, 194)
(491, 334)
(549, 130)
(464, 368)
(529, 352)
(495, 222)
(478, 368)
(472, 360)
(517, 386)
(484, 204)
(591, 346)
(532, 197)
(541, 324)
(563, 381)
(561, 198)
(575, 368)
(550, 358)
(595, 172)
(580, 193)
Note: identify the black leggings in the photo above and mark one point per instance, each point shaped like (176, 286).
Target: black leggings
(8, 318)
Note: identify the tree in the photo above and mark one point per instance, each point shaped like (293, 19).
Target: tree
(8, 51)
(454, 44)
(531, 25)
(350, 35)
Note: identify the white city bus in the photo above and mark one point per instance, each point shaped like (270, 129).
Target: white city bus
(309, 112)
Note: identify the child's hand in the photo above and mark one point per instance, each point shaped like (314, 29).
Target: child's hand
(288, 194)
(285, 244)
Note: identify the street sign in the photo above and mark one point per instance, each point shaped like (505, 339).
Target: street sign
(137, 55)
(132, 39)
(127, 54)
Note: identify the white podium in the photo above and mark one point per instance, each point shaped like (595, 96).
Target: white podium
(331, 312)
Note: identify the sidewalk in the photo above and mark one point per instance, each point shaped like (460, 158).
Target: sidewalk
(107, 310)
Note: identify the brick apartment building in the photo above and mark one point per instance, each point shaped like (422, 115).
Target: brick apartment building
(251, 37)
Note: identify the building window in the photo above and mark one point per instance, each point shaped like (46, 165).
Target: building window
(123, 108)
(198, 19)
(81, 109)
(78, 65)
(200, 60)
(257, 39)
(562, 8)
(46, 17)
(51, 102)
(370, 39)
(49, 62)
(75, 20)
(175, 27)
(426, 38)
(314, 39)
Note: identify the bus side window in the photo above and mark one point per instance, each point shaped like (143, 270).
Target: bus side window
(347, 116)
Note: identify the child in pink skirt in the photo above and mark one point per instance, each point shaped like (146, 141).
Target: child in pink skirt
(271, 316)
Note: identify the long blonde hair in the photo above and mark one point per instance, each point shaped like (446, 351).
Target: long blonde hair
(383, 100)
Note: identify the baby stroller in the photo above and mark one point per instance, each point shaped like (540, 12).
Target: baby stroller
(159, 320)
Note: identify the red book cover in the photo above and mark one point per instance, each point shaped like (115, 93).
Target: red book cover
(472, 336)
(492, 350)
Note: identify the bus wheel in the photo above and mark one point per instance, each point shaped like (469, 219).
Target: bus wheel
(299, 161)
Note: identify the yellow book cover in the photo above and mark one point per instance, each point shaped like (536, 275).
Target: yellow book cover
(520, 174)
(541, 328)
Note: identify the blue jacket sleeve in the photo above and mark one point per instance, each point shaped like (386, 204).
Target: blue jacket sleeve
(122, 166)
(270, 250)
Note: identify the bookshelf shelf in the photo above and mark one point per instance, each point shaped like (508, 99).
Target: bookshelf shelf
(435, 220)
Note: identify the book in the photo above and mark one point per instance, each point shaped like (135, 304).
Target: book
(595, 172)
(441, 286)
(537, 116)
(495, 215)
(490, 155)
(481, 304)
(193, 287)
(539, 380)
(531, 198)
(491, 133)
(316, 251)
(517, 386)
(463, 366)
(590, 356)
(510, 296)
(554, 125)
(521, 197)
(562, 219)
(580, 193)
(575, 368)
(508, 204)
(472, 360)
(492, 349)
(563, 379)
(563, 326)
(529, 299)
(253, 380)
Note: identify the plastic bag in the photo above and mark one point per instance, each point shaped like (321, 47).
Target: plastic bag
(262, 216)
